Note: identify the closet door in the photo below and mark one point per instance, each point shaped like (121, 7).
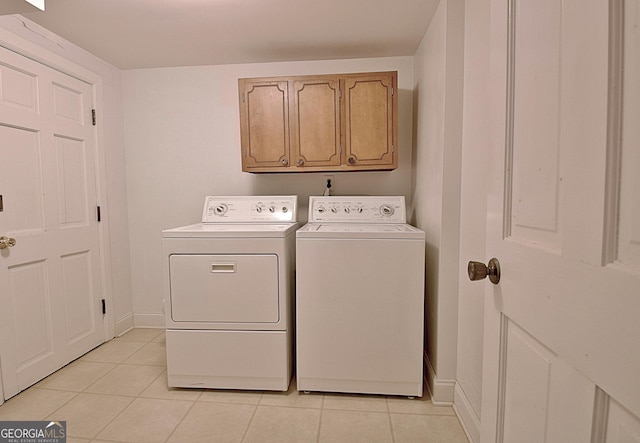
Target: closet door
(50, 302)
(561, 326)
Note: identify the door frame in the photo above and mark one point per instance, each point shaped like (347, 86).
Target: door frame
(46, 57)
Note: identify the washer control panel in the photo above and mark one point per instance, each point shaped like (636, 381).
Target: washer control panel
(367, 209)
(250, 209)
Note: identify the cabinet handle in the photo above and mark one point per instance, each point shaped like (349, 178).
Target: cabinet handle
(285, 161)
(300, 162)
(352, 160)
(217, 268)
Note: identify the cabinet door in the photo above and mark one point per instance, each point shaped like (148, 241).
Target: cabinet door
(370, 120)
(264, 124)
(315, 122)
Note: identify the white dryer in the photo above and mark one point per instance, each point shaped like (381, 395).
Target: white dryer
(229, 284)
(360, 297)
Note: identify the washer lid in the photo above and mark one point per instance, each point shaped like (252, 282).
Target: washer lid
(244, 230)
(359, 230)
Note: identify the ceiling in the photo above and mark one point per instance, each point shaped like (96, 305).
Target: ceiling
(133, 34)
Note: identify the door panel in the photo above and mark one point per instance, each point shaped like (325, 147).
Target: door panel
(19, 88)
(51, 312)
(629, 232)
(542, 394)
(68, 103)
(264, 124)
(79, 297)
(71, 161)
(369, 119)
(622, 426)
(21, 185)
(576, 313)
(30, 298)
(217, 289)
(315, 123)
(535, 192)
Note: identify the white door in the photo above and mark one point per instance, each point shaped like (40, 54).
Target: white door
(562, 327)
(50, 297)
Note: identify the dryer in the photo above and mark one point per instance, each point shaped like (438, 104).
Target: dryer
(229, 283)
(360, 297)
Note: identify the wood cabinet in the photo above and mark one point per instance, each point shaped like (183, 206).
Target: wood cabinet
(342, 122)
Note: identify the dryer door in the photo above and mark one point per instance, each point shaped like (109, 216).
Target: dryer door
(224, 289)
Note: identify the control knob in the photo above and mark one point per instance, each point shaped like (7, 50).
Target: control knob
(387, 210)
(221, 209)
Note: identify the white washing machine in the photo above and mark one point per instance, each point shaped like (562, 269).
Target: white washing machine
(229, 285)
(360, 297)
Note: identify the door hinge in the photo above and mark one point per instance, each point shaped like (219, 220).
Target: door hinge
(393, 91)
(93, 117)
(243, 97)
(98, 214)
(340, 93)
(104, 307)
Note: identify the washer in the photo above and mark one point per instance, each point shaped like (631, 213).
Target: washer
(360, 297)
(229, 285)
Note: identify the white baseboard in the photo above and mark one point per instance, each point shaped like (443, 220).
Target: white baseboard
(466, 415)
(442, 391)
(148, 320)
(123, 325)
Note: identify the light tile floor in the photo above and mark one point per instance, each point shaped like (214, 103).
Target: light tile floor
(118, 393)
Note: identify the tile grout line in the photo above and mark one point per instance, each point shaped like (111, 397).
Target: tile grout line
(386, 403)
(132, 399)
(320, 420)
(173, 431)
(246, 430)
(84, 391)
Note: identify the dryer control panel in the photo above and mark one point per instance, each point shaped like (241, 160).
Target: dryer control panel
(250, 209)
(366, 209)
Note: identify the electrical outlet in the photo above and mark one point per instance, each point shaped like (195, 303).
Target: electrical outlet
(327, 178)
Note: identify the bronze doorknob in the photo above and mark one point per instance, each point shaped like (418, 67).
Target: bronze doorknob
(6, 242)
(480, 271)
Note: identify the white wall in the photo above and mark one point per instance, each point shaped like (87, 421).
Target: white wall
(36, 42)
(182, 142)
(438, 114)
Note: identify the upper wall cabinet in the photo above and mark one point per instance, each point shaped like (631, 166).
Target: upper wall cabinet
(342, 122)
